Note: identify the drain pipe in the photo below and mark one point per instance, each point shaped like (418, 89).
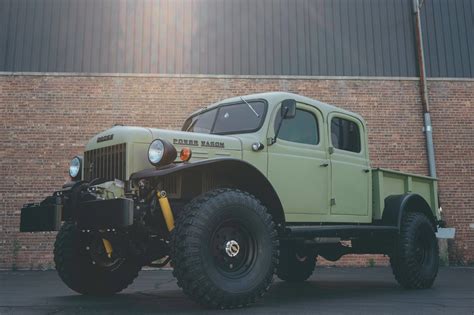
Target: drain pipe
(424, 90)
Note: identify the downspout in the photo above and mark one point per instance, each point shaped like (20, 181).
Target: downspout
(443, 234)
(424, 90)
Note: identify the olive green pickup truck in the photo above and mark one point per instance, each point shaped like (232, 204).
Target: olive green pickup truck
(251, 187)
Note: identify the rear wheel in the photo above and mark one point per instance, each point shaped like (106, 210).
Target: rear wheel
(85, 267)
(224, 249)
(415, 259)
(295, 265)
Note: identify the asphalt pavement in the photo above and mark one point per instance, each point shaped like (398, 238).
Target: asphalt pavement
(329, 291)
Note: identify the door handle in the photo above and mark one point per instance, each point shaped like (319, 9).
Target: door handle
(366, 170)
(324, 164)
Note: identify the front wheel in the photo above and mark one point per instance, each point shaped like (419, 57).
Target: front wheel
(84, 266)
(415, 258)
(224, 249)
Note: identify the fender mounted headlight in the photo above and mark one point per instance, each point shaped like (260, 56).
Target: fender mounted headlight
(75, 167)
(161, 152)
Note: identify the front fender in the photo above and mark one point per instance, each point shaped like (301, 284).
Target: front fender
(243, 175)
(179, 167)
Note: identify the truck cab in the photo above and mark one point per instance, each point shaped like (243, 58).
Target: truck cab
(325, 150)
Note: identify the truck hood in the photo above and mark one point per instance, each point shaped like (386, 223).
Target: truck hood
(118, 135)
(203, 146)
(197, 140)
(131, 134)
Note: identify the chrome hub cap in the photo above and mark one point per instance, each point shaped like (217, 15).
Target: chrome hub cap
(232, 248)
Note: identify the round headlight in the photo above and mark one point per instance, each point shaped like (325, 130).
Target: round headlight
(156, 151)
(161, 152)
(75, 167)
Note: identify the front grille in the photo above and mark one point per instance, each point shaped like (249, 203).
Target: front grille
(107, 163)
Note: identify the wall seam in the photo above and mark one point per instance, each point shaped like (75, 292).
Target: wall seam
(217, 76)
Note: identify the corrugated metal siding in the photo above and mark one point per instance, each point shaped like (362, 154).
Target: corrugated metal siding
(449, 37)
(241, 37)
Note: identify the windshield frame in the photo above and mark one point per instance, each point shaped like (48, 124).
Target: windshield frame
(218, 108)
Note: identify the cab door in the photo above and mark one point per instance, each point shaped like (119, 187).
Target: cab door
(298, 164)
(350, 174)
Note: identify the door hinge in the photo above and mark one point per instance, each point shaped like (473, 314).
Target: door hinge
(333, 201)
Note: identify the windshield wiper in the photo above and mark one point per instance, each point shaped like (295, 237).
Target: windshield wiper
(250, 106)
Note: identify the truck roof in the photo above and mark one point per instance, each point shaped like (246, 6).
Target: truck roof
(277, 97)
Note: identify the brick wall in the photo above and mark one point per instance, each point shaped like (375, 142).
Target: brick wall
(452, 110)
(45, 120)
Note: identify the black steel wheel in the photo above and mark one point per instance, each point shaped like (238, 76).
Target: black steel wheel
(415, 259)
(224, 249)
(85, 267)
(295, 264)
(233, 248)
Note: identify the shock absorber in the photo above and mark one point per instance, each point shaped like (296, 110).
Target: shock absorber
(108, 247)
(166, 209)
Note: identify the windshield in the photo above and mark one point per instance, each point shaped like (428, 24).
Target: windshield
(230, 118)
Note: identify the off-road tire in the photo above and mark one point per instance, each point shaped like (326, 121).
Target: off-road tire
(294, 266)
(200, 263)
(76, 269)
(415, 258)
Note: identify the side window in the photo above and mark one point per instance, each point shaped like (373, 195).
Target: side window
(202, 123)
(303, 128)
(345, 135)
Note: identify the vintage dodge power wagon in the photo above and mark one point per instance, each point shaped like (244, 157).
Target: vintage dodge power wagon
(251, 187)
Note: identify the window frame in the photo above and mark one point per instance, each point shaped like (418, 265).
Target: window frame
(354, 120)
(307, 108)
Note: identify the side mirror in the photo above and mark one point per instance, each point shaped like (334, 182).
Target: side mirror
(288, 109)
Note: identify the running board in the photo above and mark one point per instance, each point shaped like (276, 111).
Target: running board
(342, 231)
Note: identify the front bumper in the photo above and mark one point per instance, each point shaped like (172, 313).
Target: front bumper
(44, 216)
(104, 214)
(88, 215)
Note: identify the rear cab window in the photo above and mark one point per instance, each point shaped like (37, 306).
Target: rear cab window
(345, 135)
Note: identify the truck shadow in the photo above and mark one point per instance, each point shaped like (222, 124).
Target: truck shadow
(324, 290)
(282, 296)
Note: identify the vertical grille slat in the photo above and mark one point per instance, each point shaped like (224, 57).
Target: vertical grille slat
(108, 163)
(96, 165)
(122, 162)
(114, 161)
(104, 163)
(100, 172)
(114, 167)
(118, 162)
(110, 157)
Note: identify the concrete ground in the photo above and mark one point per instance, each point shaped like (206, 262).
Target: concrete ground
(330, 290)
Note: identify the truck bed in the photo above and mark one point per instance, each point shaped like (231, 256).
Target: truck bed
(389, 182)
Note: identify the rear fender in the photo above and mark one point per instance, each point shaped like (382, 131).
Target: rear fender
(397, 205)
